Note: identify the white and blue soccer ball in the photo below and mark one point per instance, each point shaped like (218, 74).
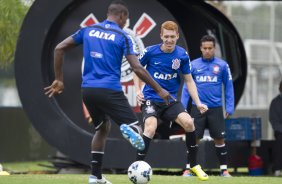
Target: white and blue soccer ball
(140, 172)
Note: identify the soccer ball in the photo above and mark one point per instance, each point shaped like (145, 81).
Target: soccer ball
(140, 172)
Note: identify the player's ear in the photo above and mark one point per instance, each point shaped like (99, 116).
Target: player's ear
(177, 36)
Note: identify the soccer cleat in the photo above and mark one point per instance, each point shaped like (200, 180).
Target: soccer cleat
(225, 173)
(94, 180)
(277, 173)
(4, 173)
(133, 137)
(187, 173)
(197, 170)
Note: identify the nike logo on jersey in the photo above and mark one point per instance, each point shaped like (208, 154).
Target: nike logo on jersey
(199, 70)
(102, 35)
(156, 63)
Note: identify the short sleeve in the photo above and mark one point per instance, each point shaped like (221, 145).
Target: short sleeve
(186, 66)
(78, 36)
(129, 47)
(143, 57)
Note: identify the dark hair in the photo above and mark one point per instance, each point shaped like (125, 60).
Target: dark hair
(117, 7)
(207, 38)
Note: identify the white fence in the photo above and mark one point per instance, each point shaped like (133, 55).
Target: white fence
(264, 73)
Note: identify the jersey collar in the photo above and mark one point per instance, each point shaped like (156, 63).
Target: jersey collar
(208, 60)
(111, 22)
(160, 47)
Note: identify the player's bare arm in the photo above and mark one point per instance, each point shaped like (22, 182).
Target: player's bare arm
(145, 76)
(57, 85)
(192, 89)
(138, 89)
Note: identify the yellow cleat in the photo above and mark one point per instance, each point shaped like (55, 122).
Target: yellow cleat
(4, 173)
(197, 170)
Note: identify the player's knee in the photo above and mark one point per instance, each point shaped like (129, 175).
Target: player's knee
(105, 128)
(189, 125)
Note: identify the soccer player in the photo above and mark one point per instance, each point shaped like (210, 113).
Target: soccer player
(275, 118)
(104, 45)
(165, 62)
(209, 73)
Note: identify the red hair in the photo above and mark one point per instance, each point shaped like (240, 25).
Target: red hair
(169, 25)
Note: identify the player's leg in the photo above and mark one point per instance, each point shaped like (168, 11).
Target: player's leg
(185, 120)
(277, 166)
(217, 132)
(102, 128)
(97, 152)
(150, 127)
(221, 153)
(149, 115)
(176, 112)
(200, 124)
(115, 104)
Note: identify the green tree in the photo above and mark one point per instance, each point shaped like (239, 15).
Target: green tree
(12, 13)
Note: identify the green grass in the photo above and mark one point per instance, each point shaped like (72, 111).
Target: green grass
(29, 168)
(122, 179)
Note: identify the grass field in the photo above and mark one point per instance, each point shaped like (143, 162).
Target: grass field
(32, 173)
(122, 179)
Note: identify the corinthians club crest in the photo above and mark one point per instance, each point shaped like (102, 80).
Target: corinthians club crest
(140, 30)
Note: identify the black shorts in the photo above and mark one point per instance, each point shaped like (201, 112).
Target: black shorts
(213, 120)
(162, 111)
(103, 104)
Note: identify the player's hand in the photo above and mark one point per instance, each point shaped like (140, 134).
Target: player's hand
(202, 108)
(56, 87)
(89, 120)
(166, 96)
(140, 98)
(226, 115)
